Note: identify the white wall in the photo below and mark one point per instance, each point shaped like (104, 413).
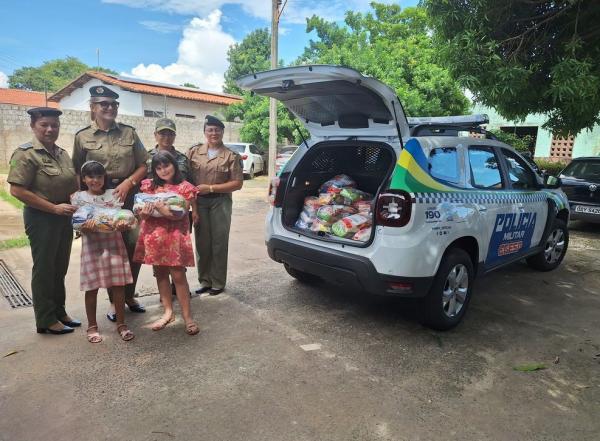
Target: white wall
(131, 103)
(185, 107)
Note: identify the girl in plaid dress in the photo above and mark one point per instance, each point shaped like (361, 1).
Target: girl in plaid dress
(164, 242)
(104, 262)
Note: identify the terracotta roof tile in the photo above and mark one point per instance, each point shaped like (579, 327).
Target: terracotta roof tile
(152, 89)
(24, 98)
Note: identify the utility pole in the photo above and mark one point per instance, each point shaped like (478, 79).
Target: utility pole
(98, 59)
(276, 13)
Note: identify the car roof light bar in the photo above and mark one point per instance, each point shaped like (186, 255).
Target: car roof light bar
(459, 120)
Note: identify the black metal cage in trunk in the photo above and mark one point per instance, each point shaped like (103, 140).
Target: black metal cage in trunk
(369, 163)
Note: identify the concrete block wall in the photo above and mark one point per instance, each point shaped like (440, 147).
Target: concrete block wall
(15, 130)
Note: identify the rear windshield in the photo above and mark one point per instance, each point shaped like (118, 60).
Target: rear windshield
(238, 148)
(583, 170)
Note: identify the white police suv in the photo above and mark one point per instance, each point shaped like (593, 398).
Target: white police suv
(447, 207)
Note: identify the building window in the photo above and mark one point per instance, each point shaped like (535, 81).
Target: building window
(561, 149)
(153, 113)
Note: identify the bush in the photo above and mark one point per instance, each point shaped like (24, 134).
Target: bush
(552, 168)
(520, 144)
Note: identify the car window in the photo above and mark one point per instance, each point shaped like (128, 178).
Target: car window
(238, 148)
(520, 175)
(485, 172)
(588, 170)
(443, 164)
(254, 150)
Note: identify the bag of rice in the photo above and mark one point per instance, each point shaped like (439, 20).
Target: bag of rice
(335, 184)
(354, 195)
(175, 202)
(331, 213)
(105, 220)
(318, 225)
(362, 235)
(350, 224)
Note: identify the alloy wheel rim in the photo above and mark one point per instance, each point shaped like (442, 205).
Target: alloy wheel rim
(555, 245)
(456, 289)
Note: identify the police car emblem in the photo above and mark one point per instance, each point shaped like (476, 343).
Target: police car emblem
(99, 89)
(593, 187)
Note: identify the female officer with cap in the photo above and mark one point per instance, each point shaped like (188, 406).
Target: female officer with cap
(42, 177)
(217, 172)
(118, 147)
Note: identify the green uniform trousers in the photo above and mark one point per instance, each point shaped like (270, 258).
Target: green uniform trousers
(50, 238)
(130, 238)
(211, 235)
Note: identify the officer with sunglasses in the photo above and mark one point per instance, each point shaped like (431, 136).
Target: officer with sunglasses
(118, 147)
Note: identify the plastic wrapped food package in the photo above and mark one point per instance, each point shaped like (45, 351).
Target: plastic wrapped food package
(174, 202)
(320, 226)
(331, 213)
(313, 202)
(105, 220)
(363, 207)
(349, 225)
(335, 184)
(362, 235)
(354, 195)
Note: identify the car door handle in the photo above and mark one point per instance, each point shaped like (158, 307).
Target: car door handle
(482, 208)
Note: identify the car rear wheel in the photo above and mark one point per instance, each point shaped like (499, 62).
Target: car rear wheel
(554, 250)
(301, 276)
(251, 172)
(448, 298)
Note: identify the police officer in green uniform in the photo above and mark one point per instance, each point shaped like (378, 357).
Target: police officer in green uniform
(118, 147)
(42, 177)
(165, 133)
(217, 172)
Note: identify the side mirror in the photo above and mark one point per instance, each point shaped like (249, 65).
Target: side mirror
(552, 181)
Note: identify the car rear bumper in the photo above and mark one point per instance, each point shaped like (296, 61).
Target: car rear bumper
(344, 269)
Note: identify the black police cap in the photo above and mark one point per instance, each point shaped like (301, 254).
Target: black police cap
(102, 92)
(39, 112)
(212, 121)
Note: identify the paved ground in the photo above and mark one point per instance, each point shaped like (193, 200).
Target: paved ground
(376, 375)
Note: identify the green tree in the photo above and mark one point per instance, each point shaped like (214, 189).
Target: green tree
(52, 75)
(253, 54)
(190, 85)
(393, 45)
(521, 57)
(522, 144)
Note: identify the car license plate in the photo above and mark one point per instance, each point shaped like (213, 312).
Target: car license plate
(587, 210)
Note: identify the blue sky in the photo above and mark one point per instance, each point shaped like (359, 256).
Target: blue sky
(170, 41)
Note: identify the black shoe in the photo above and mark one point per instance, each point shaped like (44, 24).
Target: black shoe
(74, 323)
(215, 291)
(112, 316)
(64, 330)
(137, 307)
(203, 289)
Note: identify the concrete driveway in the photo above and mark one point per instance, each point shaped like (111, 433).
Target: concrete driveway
(278, 360)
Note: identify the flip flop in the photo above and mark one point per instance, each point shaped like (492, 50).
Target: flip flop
(191, 328)
(125, 334)
(93, 337)
(161, 323)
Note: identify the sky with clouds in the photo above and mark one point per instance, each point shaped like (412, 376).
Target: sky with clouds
(171, 41)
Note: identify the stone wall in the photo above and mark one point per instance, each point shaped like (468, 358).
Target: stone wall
(15, 130)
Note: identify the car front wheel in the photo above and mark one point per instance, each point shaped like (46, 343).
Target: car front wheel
(449, 295)
(554, 250)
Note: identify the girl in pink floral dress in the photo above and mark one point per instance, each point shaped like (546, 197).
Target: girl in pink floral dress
(164, 242)
(104, 262)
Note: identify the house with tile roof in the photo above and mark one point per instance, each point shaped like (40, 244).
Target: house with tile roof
(24, 98)
(144, 98)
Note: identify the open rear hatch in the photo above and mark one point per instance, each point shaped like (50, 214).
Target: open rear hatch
(333, 101)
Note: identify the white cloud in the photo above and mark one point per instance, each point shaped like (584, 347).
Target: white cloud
(202, 56)
(160, 26)
(3, 79)
(296, 11)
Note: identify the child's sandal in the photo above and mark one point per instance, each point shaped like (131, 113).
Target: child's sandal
(93, 337)
(161, 323)
(125, 334)
(191, 328)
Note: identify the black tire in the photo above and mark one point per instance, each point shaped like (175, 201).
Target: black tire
(301, 276)
(554, 250)
(443, 312)
(251, 173)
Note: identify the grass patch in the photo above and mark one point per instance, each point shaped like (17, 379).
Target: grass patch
(6, 196)
(17, 242)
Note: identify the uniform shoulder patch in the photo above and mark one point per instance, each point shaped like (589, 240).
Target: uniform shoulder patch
(85, 128)
(126, 125)
(26, 146)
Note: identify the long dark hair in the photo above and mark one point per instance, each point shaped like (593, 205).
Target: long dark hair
(164, 158)
(92, 168)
